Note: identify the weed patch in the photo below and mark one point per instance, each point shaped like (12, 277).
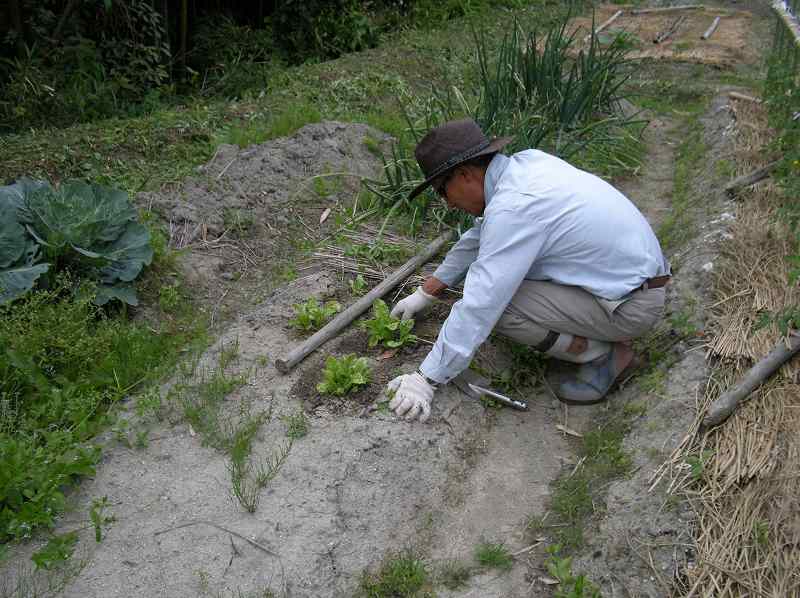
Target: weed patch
(678, 226)
(575, 496)
(402, 576)
(494, 556)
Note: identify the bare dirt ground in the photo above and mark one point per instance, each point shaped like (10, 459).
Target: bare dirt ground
(364, 485)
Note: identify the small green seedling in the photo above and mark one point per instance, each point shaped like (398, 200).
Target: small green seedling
(296, 424)
(342, 375)
(312, 316)
(495, 556)
(569, 584)
(358, 285)
(389, 331)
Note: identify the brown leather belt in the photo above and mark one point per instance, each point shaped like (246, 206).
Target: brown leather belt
(655, 283)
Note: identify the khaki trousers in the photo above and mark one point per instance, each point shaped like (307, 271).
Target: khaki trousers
(539, 307)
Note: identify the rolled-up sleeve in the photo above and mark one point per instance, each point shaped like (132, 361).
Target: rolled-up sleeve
(509, 244)
(460, 257)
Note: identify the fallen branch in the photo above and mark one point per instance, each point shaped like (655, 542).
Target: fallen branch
(663, 35)
(645, 11)
(722, 408)
(710, 31)
(603, 25)
(341, 321)
(746, 180)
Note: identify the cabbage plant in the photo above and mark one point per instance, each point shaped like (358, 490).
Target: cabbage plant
(90, 229)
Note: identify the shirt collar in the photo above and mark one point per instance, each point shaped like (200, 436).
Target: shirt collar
(493, 173)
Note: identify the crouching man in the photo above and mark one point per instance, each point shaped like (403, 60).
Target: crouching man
(558, 259)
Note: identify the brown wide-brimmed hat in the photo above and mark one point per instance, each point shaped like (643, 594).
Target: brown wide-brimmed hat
(449, 145)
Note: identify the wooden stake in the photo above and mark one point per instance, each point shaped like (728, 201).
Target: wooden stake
(709, 32)
(341, 321)
(722, 408)
(740, 96)
(603, 25)
(669, 30)
(746, 180)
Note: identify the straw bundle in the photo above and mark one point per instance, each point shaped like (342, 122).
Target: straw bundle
(743, 478)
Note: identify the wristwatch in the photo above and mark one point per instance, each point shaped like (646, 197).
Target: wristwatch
(433, 383)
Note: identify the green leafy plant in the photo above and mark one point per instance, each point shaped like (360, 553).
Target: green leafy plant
(343, 374)
(56, 552)
(296, 424)
(90, 229)
(569, 585)
(389, 331)
(312, 316)
(358, 285)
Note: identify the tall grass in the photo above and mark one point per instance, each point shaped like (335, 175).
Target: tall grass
(550, 91)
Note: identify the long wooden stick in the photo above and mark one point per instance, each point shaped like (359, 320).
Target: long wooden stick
(745, 98)
(341, 321)
(722, 408)
(604, 24)
(746, 180)
(710, 31)
(645, 11)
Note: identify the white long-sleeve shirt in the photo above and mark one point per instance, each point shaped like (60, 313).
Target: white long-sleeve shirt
(544, 220)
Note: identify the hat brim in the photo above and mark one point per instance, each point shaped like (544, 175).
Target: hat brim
(494, 146)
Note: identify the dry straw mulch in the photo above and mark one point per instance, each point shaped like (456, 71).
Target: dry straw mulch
(730, 44)
(743, 478)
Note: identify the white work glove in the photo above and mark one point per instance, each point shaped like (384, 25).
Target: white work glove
(415, 303)
(412, 396)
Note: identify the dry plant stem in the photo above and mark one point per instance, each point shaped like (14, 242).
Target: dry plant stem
(746, 180)
(341, 321)
(645, 11)
(223, 529)
(721, 409)
(603, 25)
(710, 31)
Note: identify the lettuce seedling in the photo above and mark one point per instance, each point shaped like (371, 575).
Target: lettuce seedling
(342, 375)
(387, 330)
(311, 315)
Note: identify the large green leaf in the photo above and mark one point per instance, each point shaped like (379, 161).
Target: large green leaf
(16, 281)
(13, 240)
(124, 292)
(77, 214)
(127, 255)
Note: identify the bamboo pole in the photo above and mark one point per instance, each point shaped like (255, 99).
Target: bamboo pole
(603, 25)
(710, 31)
(332, 328)
(722, 408)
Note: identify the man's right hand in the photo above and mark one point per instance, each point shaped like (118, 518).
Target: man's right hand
(414, 304)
